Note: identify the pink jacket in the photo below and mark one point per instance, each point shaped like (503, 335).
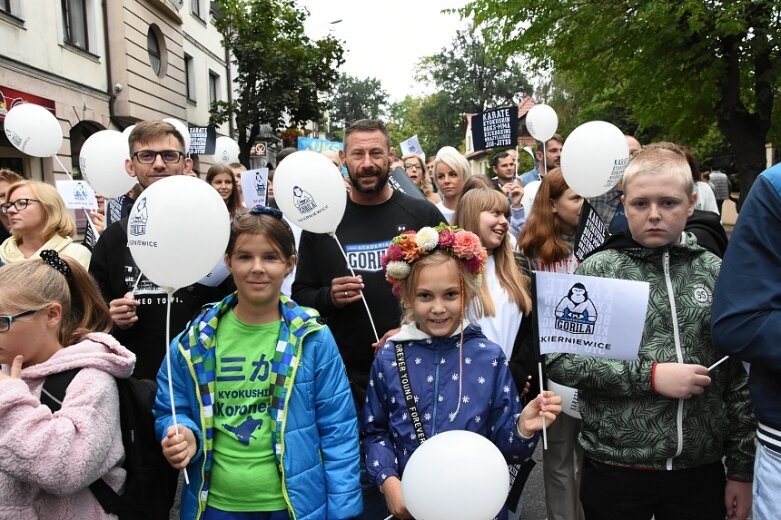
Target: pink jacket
(47, 461)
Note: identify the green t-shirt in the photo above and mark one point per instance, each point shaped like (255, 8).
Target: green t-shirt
(244, 475)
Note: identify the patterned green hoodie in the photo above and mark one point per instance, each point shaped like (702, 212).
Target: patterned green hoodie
(624, 422)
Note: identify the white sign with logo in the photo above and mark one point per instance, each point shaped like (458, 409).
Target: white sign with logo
(254, 186)
(77, 195)
(591, 316)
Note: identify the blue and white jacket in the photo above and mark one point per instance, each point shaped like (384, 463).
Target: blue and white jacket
(315, 429)
(747, 301)
(489, 400)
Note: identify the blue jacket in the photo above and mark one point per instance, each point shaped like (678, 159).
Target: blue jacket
(747, 298)
(315, 429)
(489, 400)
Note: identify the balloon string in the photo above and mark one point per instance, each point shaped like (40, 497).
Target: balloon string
(363, 298)
(86, 214)
(544, 159)
(170, 293)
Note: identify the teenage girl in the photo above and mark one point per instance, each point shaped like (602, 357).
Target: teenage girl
(266, 424)
(459, 379)
(52, 320)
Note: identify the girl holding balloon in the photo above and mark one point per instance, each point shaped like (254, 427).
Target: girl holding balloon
(265, 426)
(439, 372)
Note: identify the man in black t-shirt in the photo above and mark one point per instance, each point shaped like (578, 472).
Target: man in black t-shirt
(375, 213)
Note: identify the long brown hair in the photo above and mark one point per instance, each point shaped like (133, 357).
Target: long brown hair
(233, 200)
(541, 236)
(34, 284)
(511, 277)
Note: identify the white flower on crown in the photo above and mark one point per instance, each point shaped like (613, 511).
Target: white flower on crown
(398, 269)
(427, 238)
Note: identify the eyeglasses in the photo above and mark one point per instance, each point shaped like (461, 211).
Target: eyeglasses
(5, 321)
(412, 167)
(149, 156)
(19, 204)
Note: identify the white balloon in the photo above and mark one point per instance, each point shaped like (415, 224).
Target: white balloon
(594, 158)
(542, 122)
(309, 190)
(33, 130)
(178, 231)
(182, 129)
(102, 162)
(456, 474)
(226, 150)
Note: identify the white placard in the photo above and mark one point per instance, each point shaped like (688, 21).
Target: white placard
(569, 398)
(77, 195)
(254, 186)
(216, 276)
(590, 316)
(412, 145)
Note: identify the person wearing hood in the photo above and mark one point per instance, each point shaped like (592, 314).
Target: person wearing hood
(52, 320)
(38, 220)
(658, 432)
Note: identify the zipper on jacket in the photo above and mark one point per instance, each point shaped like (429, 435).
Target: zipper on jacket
(678, 355)
(437, 360)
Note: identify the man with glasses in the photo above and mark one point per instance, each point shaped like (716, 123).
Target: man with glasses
(136, 304)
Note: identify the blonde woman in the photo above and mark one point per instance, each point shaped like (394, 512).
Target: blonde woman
(451, 169)
(38, 220)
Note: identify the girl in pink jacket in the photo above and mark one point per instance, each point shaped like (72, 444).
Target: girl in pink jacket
(50, 309)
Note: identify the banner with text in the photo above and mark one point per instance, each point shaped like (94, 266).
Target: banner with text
(202, 139)
(590, 316)
(319, 145)
(495, 128)
(591, 232)
(254, 187)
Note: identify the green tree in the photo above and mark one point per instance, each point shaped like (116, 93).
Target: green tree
(355, 99)
(431, 118)
(684, 65)
(469, 80)
(281, 72)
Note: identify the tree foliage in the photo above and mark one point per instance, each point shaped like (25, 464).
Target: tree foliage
(355, 99)
(281, 73)
(432, 118)
(468, 80)
(684, 65)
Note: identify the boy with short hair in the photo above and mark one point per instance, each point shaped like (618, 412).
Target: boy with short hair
(655, 430)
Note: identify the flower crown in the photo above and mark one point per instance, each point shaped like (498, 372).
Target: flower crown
(410, 246)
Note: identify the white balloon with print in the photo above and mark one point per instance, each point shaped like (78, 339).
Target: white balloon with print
(594, 158)
(309, 190)
(455, 474)
(183, 130)
(178, 231)
(542, 122)
(226, 150)
(33, 130)
(102, 162)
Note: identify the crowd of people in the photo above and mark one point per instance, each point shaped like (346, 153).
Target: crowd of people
(285, 399)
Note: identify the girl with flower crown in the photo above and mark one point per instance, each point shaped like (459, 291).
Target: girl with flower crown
(458, 379)
(266, 426)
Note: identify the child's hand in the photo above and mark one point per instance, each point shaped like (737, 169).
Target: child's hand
(547, 405)
(679, 380)
(16, 369)
(391, 488)
(527, 386)
(179, 448)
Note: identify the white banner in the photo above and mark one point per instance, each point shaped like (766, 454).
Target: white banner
(254, 185)
(590, 316)
(569, 398)
(77, 195)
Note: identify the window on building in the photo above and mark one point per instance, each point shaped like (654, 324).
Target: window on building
(154, 49)
(196, 7)
(74, 13)
(214, 87)
(5, 5)
(189, 77)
